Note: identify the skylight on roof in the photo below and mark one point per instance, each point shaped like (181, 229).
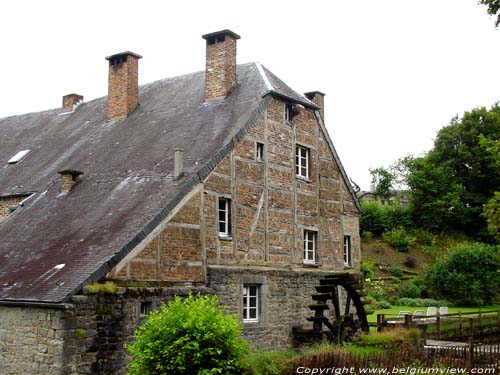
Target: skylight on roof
(18, 157)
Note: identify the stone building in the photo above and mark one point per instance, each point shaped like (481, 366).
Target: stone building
(223, 181)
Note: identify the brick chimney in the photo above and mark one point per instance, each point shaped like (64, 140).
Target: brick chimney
(69, 178)
(70, 101)
(220, 73)
(319, 99)
(123, 84)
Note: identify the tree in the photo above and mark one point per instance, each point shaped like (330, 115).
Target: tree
(493, 8)
(382, 179)
(189, 335)
(459, 175)
(467, 276)
(491, 212)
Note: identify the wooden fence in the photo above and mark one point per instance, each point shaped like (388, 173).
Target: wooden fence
(486, 358)
(455, 327)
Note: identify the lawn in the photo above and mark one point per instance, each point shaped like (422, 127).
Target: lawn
(394, 310)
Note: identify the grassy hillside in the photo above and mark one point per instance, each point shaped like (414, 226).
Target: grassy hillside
(378, 252)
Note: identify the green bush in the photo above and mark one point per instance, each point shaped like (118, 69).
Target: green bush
(395, 271)
(467, 275)
(268, 362)
(399, 239)
(409, 290)
(377, 218)
(422, 302)
(424, 237)
(189, 335)
(367, 270)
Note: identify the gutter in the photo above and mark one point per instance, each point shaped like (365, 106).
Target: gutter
(49, 305)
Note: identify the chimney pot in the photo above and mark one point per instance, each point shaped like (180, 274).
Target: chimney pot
(220, 72)
(319, 99)
(69, 178)
(123, 84)
(178, 163)
(71, 101)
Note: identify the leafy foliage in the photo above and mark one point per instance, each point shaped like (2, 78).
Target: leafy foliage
(382, 179)
(422, 302)
(188, 336)
(399, 239)
(468, 275)
(409, 290)
(395, 271)
(367, 270)
(491, 212)
(450, 185)
(378, 218)
(493, 8)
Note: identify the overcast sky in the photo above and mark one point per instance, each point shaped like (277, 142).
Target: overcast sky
(394, 71)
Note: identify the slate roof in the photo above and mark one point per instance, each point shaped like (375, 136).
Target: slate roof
(57, 243)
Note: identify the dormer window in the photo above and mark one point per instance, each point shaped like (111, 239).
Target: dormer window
(10, 203)
(18, 157)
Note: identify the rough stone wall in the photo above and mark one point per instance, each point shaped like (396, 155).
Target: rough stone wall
(285, 298)
(172, 255)
(6, 204)
(88, 337)
(220, 73)
(123, 88)
(31, 340)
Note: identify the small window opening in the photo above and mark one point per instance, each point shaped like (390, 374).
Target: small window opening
(224, 217)
(290, 112)
(18, 157)
(347, 251)
(259, 151)
(146, 308)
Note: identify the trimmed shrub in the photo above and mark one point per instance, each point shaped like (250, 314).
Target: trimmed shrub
(467, 275)
(189, 335)
(422, 302)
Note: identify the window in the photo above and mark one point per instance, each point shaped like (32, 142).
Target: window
(310, 242)
(347, 251)
(302, 161)
(259, 151)
(251, 303)
(224, 217)
(18, 157)
(146, 308)
(289, 112)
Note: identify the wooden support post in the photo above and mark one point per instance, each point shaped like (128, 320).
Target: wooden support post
(380, 322)
(407, 320)
(470, 354)
(438, 327)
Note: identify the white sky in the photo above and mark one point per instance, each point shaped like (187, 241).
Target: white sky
(394, 71)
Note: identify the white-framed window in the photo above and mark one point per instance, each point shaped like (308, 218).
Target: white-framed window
(251, 295)
(302, 156)
(145, 308)
(347, 251)
(259, 151)
(310, 245)
(224, 217)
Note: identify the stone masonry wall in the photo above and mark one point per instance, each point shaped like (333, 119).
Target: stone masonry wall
(88, 337)
(285, 299)
(31, 340)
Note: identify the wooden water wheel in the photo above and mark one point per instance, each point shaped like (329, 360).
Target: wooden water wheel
(344, 322)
